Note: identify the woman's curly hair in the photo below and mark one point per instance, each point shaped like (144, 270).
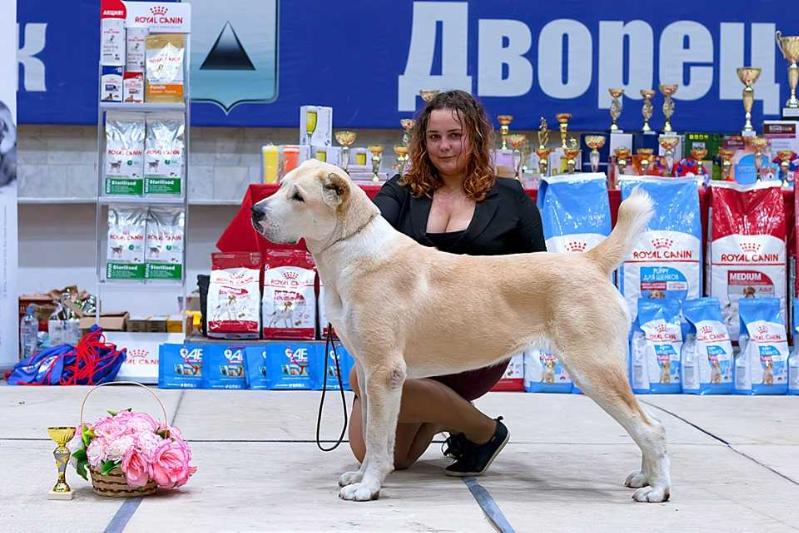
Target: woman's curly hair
(423, 178)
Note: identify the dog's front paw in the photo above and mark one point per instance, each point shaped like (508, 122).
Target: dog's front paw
(359, 492)
(652, 494)
(636, 480)
(348, 478)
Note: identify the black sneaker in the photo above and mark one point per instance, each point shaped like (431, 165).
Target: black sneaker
(474, 459)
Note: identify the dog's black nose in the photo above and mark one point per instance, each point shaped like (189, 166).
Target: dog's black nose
(257, 214)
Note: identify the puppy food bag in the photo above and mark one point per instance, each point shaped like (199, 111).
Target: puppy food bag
(255, 367)
(666, 261)
(288, 365)
(543, 372)
(318, 371)
(180, 366)
(133, 88)
(747, 248)
(135, 48)
(707, 356)
(164, 67)
(234, 296)
(164, 245)
(126, 236)
(163, 156)
(656, 346)
(575, 211)
(793, 360)
(761, 365)
(513, 378)
(289, 298)
(223, 367)
(124, 154)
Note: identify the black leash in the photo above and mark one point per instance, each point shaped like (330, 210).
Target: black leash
(328, 343)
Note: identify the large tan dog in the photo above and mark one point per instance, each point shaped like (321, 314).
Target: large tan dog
(408, 311)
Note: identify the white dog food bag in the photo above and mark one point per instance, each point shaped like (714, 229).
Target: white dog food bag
(747, 246)
(762, 363)
(234, 296)
(165, 243)
(666, 261)
(126, 236)
(543, 372)
(124, 154)
(656, 346)
(707, 356)
(163, 156)
(289, 297)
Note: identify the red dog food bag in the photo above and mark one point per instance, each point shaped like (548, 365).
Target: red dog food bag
(289, 300)
(234, 296)
(747, 248)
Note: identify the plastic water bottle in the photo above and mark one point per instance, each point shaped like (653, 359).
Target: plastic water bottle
(28, 331)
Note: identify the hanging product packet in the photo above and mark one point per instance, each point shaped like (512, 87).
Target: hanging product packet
(656, 346)
(762, 363)
(124, 154)
(164, 55)
(127, 226)
(164, 155)
(707, 355)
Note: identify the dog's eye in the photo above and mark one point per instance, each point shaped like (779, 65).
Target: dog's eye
(296, 197)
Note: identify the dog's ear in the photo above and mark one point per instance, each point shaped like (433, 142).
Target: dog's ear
(335, 189)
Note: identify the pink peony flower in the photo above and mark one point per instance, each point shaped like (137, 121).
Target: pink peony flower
(147, 443)
(96, 452)
(109, 428)
(135, 467)
(118, 447)
(136, 422)
(170, 467)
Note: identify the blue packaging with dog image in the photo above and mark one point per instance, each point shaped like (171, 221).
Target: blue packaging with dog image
(223, 367)
(761, 367)
(346, 363)
(655, 347)
(288, 365)
(793, 360)
(255, 367)
(543, 372)
(707, 356)
(180, 366)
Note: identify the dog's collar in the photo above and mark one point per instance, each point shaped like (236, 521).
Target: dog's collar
(353, 234)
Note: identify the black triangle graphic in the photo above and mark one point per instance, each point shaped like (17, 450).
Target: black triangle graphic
(227, 53)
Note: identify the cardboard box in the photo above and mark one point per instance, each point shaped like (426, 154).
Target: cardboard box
(108, 321)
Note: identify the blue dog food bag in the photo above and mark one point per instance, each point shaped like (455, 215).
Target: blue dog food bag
(318, 371)
(707, 356)
(255, 367)
(761, 367)
(180, 366)
(223, 367)
(543, 372)
(288, 365)
(655, 347)
(793, 360)
(666, 262)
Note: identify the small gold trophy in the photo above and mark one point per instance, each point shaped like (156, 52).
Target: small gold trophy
(789, 46)
(504, 129)
(726, 156)
(61, 436)
(760, 144)
(407, 125)
(428, 94)
(622, 158)
(345, 138)
(595, 143)
(563, 122)
(543, 151)
(571, 153)
(647, 109)
(645, 159)
(310, 124)
(377, 157)
(668, 143)
(518, 142)
(668, 90)
(698, 154)
(785, 164)
(401, 152)
(748, 76)
(615, 108)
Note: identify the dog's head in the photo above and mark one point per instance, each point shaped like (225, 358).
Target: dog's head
(317, 202)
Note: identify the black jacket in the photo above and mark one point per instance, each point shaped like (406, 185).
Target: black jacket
(506, 222)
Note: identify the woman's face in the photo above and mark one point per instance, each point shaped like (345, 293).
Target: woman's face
(447, 143)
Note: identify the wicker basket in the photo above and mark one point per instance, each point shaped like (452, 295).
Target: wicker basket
(114, 484)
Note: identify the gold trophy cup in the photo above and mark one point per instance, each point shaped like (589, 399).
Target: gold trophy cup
(789, 46)
(785, 164)
(401, 153)
(615, 108)
(504, 129)
(647, 109)
(518, 142)
(645, 159)
(428, 94)
(543, 151)
(563, 123)
(595, 143)
(748, 76)
(760, 145)
(668, 90)
(622, 158)
(345, 138)
(377, 157)
(61, 436)
(407, 125)
(571, 153)
(726, 156)
(668, 143)
(699, 155)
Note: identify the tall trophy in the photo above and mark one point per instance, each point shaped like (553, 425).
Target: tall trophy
(345, 138)
(645, 156)
(622, 159)
(543, 150)
(428, 94)
(504, 129)
(726, 156)
(668, 143)
(377, 157)
(61, 436)
(615, 108)
(401, 153)
(407, 125)
(748, 76)
(647, 109)
(595, 143)
(785, 165)
(789, 46)
(668, 90)
(572, 152)
(760, 145)
(563, 123)
(518, 142)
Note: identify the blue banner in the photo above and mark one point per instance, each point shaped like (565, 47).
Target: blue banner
(255, 62)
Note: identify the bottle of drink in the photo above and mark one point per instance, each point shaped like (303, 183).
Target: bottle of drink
(28, 331)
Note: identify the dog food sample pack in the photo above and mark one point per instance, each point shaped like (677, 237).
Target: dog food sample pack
(289, 297)
(124, 154)
(255, 367)
(761, 366)
(164, 67)
(747, 246)
(793, 359)
(575, 211)
(318, 371)
(112, 35)
(666, 261)
(112, 84)
(127, 226)
(223, 367)
(513, 378)
(656, 346)
(288, 365)
(180, 366)
(707, 357)
(163, 156)
(234, 296)
(543, 372)
(164, 244)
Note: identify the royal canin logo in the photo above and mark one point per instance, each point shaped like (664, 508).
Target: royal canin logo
(290, 275)
(709, 333)
(138, 353)
(663, 253)
(763, 334)
(748, 257)
(158, 15)
(749, 247)
(159, 11)
(576, 246)
(662, 243)
(662, 332)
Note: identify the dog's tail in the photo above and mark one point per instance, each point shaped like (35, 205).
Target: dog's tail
(634, 214)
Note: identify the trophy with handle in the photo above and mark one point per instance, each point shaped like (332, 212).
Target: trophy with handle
(789, 46)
